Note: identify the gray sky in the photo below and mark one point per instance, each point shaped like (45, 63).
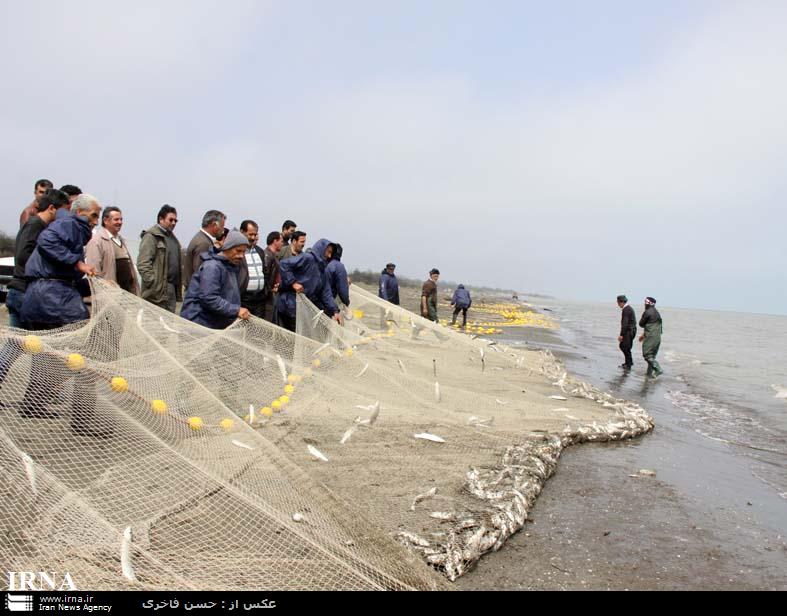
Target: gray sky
(572, 148)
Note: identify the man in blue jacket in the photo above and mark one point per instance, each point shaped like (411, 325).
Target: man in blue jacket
(213, 296)
(55, 275)
(55, 270)
(306, 274)
(389, 286)
(337, 276)
(461, 301)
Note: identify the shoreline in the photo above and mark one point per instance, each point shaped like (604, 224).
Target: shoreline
(594, 527)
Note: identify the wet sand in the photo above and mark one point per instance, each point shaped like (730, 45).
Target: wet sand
(596, 528)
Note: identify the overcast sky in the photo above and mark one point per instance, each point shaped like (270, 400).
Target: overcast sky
(580, 149)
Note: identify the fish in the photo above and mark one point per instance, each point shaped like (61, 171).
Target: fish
(401, 366)
(252, 417)
(321, 349)
(434, 367)
(428, 494)
(298, 517)
(348, 434)
(363, 371)
(501, 401)
(483, 363)
(375, 413)
(572, 417)
(282, 368)
(781, 392)
(316, 453)
(481, 422)
(646, 473)
(242, 445)
(443, 515)
(429, 437)
(558, 398)
(30, 470)
(437, 391)
(414, 539)
(561, 410)
(125, 556)
(167, 327)
(139, 317)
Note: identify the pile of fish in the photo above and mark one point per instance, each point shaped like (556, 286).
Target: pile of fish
(508, 491)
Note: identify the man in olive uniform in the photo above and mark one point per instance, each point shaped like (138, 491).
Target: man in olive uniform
(628, 331)
(651, 337)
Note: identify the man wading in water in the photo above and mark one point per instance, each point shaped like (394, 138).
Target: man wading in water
(651, 338)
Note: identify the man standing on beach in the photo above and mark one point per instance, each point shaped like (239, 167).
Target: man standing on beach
(204, 241)
(651, 338)
(287, 229)
(108, 252)
(158, 261)
(39, 190)
(461, 301)
(270, 267)
(429, 296)
(628, 331)
(389, 286)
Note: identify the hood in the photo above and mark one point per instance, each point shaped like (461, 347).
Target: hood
(461, 286)
(318, 250)
(212, 255)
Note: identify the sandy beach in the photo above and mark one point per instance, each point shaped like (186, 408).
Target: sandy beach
(596, 528)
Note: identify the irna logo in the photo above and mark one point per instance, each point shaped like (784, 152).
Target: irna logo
(39, 580)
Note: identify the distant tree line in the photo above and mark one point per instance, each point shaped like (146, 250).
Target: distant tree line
(7, 244)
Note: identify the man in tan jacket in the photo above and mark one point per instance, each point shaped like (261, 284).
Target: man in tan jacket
(108, 253)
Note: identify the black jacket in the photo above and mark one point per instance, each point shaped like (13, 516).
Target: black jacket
(25, 245)
(628, 322)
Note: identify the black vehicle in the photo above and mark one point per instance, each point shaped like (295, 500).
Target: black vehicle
(6, 273)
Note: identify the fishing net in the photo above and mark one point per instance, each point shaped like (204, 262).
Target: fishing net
(139, 450)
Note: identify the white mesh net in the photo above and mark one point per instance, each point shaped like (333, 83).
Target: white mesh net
(142, 451)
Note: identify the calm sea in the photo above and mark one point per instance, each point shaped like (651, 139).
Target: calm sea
(721, 433)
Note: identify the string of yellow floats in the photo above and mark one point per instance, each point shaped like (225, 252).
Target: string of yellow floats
(508, 315)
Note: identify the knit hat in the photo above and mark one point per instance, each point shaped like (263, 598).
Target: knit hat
(623, 298)
(649, 301)
(234, 238)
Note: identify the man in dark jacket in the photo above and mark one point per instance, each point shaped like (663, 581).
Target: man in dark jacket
(337, 276)
(306, 274)
(628, 331)
(203, 241)
(46, 210)
(55, 269)
(159, 261)
(213, 296)
(651, 337)
(461, 301)
(389, 286)
(270, 267)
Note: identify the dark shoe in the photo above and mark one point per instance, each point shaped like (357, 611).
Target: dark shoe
(625, 366)
(658, 373)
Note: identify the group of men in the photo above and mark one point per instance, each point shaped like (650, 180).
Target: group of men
(651, 336)
(222, 275)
